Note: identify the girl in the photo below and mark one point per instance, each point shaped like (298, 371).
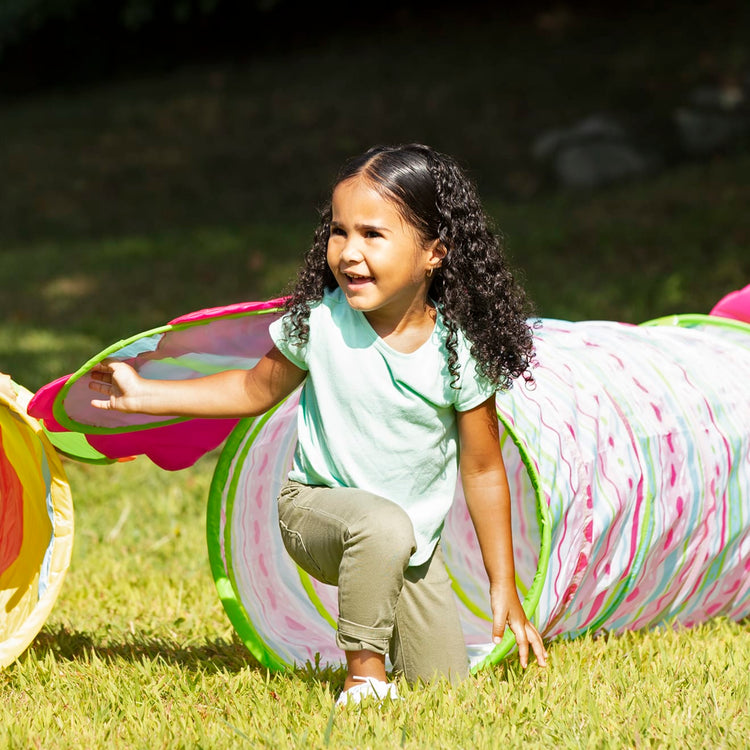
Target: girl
(403, 323)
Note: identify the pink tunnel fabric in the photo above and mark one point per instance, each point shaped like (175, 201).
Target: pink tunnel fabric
(629, 463)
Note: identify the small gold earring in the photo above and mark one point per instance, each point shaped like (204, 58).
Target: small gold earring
(429, 272)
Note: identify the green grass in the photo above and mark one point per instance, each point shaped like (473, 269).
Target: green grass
(139, 654)
(125, 205)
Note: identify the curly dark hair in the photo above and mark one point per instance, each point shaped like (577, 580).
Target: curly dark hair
(473, 288)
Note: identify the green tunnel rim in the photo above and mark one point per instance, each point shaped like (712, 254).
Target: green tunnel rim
(58, 406)
(236, 448)
(226, 586)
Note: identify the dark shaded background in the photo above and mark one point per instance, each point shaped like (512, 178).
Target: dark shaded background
(245, 95)
(51, 42)
(156, 163)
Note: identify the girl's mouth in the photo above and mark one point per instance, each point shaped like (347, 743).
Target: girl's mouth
(356, 280)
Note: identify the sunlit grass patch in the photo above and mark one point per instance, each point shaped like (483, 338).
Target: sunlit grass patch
(139, 653)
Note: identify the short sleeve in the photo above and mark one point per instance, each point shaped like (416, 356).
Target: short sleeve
(474, 389)
(295, 351)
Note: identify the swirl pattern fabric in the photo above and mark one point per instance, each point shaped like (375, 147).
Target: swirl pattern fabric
(629, 463)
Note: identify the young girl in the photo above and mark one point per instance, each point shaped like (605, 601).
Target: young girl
(403, 323)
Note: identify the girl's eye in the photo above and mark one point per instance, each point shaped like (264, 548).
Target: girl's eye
(338, 231)
(371, 233)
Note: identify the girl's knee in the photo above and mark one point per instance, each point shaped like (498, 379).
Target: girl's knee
(388, 530)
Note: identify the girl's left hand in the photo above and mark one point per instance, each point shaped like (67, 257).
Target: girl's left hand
(507, 610)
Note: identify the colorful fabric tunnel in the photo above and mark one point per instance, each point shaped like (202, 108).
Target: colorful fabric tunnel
(36, 528)
(629, 463)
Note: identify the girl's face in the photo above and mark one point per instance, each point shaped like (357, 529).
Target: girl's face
(379, 260)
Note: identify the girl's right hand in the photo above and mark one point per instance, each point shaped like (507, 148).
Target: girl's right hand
(231, 393)
(122, 386)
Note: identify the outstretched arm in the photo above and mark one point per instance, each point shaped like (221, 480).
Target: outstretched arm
(488, 499)
(234, 393)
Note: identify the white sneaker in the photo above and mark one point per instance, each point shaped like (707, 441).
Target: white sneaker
(370, 688)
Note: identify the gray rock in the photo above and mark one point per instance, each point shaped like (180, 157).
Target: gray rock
(601, 150)
(596, 151)
(594, 127)
(715, 118)
(703, 132)
(600, 163)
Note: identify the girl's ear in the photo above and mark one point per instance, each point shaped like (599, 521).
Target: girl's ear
(437, 251)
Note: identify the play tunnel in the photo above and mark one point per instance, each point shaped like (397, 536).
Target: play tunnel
(36, 528)
(628, 459)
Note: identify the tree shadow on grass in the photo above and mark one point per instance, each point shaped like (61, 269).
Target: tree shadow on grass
(217, 654)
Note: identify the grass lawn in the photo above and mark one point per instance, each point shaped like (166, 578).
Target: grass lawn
(138, 653)
(125, 204)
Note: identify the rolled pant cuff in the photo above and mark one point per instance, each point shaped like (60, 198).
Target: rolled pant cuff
(353, 637)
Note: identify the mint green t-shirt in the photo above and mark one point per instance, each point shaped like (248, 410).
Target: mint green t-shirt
(377, 419)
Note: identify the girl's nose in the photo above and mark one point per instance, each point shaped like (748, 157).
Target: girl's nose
(351, 252)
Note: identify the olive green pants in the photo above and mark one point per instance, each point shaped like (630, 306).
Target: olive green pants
(362, 543)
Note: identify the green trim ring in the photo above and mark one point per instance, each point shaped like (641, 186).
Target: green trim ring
(58, 407)
(687, 320)
(567, 597)
(69, 444)
(544, 521)
(224, 580)
(224, 491)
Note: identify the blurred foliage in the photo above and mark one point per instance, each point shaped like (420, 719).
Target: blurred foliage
(47, 43)
(19, 18)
